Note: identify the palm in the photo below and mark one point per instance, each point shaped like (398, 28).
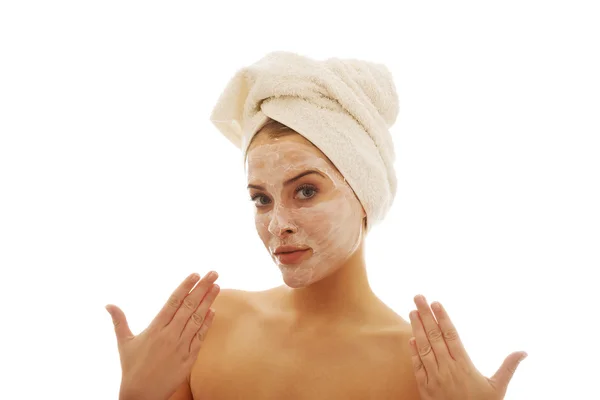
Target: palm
(441, 364)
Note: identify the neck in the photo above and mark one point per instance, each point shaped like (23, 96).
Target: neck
(345, 294)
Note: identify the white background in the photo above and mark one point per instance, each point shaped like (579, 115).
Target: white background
(114, 185)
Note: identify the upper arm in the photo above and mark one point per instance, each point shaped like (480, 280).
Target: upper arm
(405, 364)
(221, 305)
(227, 306)
(394, 367)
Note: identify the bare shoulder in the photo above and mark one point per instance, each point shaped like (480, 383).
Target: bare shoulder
(232, 307)
(234, 310)
(392, 360)
(230, 302)
(228, 305)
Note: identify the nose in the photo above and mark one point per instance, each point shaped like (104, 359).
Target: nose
(281, 225)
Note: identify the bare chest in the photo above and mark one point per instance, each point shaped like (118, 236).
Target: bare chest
(265, 364)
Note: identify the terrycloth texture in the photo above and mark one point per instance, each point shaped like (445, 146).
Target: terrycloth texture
(345, 107)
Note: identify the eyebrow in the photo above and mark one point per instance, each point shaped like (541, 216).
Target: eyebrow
(311, 171)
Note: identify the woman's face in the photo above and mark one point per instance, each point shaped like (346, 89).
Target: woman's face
(307, 216)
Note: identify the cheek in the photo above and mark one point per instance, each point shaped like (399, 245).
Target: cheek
(335, 222)
(261, 222)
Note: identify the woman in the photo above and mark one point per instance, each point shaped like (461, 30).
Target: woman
(319, 162)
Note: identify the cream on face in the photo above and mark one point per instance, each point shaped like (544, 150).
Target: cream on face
(317, 212)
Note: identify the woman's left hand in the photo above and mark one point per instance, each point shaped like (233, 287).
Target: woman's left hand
(441, 365)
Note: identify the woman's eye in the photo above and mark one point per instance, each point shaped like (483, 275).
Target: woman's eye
(306, 192)
(260, 200)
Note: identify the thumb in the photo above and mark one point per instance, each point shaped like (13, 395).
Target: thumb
(502, 377)
(120, 322)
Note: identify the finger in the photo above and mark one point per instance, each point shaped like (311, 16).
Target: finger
(455, 345)
(192, 301)
(200, 335)
(168, 311)
(198, 316)
(120, 323)
(418, 368)
(432, 330)
(423, 346)
(502, 377)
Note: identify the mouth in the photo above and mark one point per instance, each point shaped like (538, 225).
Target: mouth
(288, 249)
(290, 255)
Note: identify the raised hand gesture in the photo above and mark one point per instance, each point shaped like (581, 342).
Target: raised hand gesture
(158, 360)
(441, 365)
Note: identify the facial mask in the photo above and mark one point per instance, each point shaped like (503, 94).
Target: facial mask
(328, 223)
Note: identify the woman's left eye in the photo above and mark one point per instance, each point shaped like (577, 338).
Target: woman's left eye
(306, 191)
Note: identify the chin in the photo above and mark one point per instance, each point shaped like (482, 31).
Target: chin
(295, 283)
(297, 277)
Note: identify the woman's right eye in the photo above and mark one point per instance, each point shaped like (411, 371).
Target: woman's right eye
(260, 200)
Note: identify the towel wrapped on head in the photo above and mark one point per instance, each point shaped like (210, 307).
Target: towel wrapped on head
(345, 107)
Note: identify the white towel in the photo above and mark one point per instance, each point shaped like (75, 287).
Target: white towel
(345, 107)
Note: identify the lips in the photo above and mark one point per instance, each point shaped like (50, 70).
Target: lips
(291, 254)
(288, 249)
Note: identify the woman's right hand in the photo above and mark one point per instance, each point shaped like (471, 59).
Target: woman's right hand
(158, 360)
